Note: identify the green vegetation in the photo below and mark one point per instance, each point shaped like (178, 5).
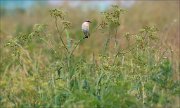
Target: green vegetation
(40, 68)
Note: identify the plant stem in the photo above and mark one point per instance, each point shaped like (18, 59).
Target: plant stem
(75, 47)
(116, 42)
(60, 33)
(107, 42)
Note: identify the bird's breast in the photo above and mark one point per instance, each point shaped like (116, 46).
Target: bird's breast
(85, 26)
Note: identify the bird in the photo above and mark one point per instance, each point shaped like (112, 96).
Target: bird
(85, 28)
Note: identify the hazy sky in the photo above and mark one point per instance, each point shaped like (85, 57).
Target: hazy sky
(11, 4)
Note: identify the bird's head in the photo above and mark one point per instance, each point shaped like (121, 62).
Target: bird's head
(88, 21)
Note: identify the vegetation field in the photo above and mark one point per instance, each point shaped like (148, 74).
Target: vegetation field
(130, 60)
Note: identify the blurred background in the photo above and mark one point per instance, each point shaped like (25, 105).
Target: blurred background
(20, 15)
(29, 70)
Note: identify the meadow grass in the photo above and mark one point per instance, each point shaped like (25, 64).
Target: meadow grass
(40, 70)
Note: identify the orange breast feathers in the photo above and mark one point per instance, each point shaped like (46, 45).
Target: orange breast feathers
(85, 26)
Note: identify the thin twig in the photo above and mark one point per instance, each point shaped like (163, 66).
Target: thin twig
(75, 47)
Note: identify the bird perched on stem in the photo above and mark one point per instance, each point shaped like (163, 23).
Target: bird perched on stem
(85, 28)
